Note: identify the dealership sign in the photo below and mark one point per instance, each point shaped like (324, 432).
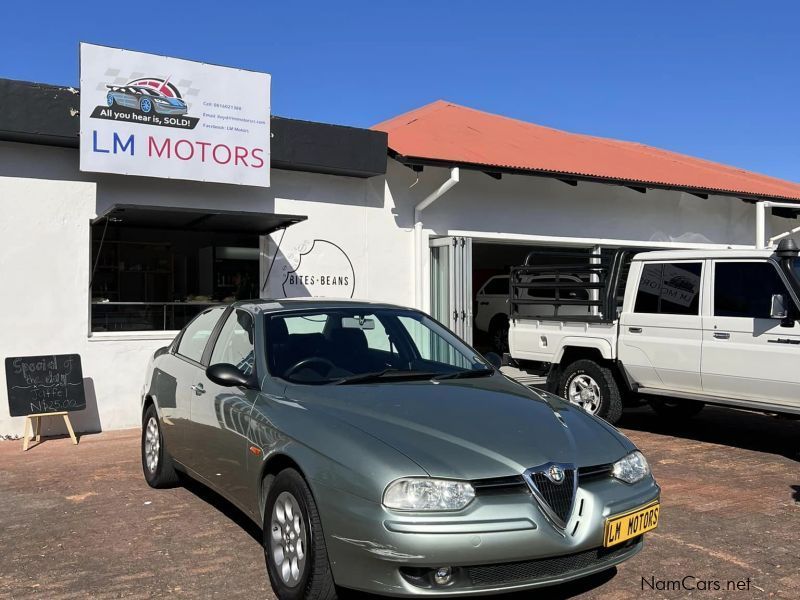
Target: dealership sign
(158, 116)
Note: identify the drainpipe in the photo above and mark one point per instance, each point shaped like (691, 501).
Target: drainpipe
(421, 241)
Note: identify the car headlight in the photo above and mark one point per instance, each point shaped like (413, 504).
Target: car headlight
(160, 101)
(428, 494)
(631, 468)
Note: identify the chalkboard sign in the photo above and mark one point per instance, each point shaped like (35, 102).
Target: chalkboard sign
(43, 384)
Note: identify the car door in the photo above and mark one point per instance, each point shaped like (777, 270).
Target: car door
(660, 331)
(179, 377)
(221, 414)
(746, 354)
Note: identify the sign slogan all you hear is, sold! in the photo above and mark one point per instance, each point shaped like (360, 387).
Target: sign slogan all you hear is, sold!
(157, 116)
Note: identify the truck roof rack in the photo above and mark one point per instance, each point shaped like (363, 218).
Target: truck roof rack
(570, 285)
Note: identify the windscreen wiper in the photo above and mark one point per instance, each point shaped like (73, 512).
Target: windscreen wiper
(465, 374)
(377, 375)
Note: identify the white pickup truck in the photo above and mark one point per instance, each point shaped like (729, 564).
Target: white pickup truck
(679, 328)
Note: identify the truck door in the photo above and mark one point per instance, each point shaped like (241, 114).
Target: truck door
(660, 331)
(746, 354)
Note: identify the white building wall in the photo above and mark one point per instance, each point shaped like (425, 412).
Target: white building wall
(46, 206)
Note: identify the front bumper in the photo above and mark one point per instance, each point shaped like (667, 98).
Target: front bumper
(500, 543)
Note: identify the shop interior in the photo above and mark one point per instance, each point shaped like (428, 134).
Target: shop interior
(155, 270)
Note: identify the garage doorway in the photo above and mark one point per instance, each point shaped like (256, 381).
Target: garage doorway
(492, 263)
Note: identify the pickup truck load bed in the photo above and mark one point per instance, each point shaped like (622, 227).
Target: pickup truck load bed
(680, 328)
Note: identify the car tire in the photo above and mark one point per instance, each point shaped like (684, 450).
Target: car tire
(602, 395)
(159, 470)
(308, 576)
(676, 410)
(498, 334)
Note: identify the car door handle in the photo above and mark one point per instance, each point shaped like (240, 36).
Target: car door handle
(634, 330)
(483, 303)
(198, 389)
(722, 335)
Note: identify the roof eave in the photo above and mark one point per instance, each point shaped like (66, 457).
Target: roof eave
(501, 170)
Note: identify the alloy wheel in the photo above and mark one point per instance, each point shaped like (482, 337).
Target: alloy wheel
(584, 391)
(152, 444)
(288, 539)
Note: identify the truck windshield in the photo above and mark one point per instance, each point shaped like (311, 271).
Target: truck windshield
(794, 267)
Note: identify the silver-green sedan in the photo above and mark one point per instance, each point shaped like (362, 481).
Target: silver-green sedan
(379, 452)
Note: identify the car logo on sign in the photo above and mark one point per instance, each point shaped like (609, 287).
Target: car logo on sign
(555, 474)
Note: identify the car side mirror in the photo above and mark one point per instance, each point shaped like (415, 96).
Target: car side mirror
(494, 359)
(227, 375)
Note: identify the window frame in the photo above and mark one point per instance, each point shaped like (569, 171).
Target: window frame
(700, 292)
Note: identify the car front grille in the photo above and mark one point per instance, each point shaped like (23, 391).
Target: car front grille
(516, 483)
(586, 474)
(545, 568)
(557, 496)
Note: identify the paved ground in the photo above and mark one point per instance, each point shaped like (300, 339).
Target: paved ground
(80, 522)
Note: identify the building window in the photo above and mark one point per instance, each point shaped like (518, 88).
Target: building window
(745, 289)
(669, 289)
(146, 278)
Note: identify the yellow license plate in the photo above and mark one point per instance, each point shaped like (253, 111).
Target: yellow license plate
(630, 524)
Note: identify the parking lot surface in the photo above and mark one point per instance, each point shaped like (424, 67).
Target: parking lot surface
(80, 522)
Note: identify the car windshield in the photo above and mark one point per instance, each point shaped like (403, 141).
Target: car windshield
(150, 92)
(365, 345)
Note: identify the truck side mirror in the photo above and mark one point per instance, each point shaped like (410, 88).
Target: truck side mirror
(777, 307)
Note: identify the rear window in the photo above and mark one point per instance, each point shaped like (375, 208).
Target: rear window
(669, 289)
(195, 336)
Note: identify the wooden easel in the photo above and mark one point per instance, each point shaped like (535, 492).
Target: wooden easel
(35, 422)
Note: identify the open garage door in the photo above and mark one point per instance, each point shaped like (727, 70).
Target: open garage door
(451, 284)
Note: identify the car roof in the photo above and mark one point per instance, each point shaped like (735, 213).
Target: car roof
(704, 254)
(276, 305)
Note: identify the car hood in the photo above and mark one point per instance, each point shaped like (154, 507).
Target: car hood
(470, 428)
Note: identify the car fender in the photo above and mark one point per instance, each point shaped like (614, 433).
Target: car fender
(327, 451)
(597, 343)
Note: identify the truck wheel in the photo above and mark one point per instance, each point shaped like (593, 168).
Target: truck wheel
(498, 334)
(592, 387)
(676, 410)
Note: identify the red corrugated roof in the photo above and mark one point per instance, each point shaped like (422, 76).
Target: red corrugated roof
(447, 132)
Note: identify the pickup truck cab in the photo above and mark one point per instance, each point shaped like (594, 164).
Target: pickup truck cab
(691, 327)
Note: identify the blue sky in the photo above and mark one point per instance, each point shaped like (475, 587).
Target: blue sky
(716, 79)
